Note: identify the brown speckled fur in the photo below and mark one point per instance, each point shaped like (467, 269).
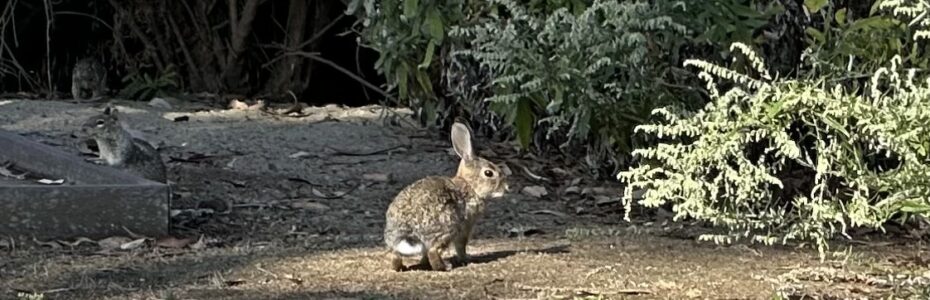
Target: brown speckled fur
(438, 211)
(88, 76)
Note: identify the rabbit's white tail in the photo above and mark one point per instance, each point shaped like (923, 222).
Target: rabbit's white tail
(404, 247)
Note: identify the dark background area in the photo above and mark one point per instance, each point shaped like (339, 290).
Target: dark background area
(86, 28)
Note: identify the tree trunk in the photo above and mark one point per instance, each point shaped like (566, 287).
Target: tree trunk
(321, 19)
(240, 29)
(282, 78)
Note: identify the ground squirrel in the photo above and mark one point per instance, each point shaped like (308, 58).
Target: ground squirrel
(118, 148)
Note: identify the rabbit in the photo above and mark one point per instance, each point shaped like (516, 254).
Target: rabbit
(119, 148)
(430, 214)
(88, 74)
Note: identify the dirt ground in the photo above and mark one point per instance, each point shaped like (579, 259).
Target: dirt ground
(273, 206)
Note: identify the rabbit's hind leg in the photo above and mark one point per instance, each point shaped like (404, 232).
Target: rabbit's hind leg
(397, 262)
(434, 254)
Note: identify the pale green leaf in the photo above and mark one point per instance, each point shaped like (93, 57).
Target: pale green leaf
(434, 26)
(411, 7)
(814, 6)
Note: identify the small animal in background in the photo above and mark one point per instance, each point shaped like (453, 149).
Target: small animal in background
(434, 212)
(118, 148)
(88, 76)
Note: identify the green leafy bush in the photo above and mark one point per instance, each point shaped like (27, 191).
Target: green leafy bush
(590, 76)
(579, 74)
(707, 169)
(724, 21)
(916, 11)
(408, 35)
(846, 46)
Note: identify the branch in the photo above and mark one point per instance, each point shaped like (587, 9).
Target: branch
(317, 57)
(318, 35)
(104, 23)
(48, 46)
(140, 35)
(233, 17)
(187, 54)
(309, 41)
(7, 21)
(242, 26)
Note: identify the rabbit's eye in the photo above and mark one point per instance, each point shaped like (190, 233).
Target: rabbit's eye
(488, 173)
(99, 122)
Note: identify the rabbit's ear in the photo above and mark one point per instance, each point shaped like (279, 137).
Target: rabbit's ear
(461, 141)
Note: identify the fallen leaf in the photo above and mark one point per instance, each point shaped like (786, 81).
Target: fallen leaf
(113, 242)
(133, 244)
(4, 171)
(380, 177)
(51, 182)
(572, 190)
(238, 105)
(200, 244)
(50, 244)
(173, 242)
(299, 154)
(318, 193)
(560, 171)
(533, 175)
(549, 212)
(78, 242)
(535, 191)
(310, 205)
(134, 235)
(604, 200)
(575, 181)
